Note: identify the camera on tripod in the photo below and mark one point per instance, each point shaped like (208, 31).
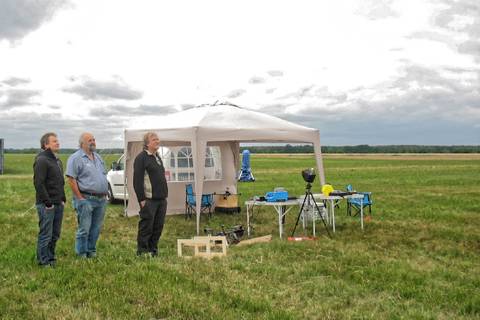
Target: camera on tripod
(309, 175)
(309, 204)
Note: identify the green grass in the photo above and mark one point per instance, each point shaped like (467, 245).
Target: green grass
(417, 258)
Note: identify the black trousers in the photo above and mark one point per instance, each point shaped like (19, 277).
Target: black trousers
(150, 226)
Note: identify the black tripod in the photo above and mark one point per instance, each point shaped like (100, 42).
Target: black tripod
(309, 197)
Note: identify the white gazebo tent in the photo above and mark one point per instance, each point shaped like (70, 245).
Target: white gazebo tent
(224, 126)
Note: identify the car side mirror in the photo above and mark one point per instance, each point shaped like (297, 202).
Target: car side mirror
(115, 166)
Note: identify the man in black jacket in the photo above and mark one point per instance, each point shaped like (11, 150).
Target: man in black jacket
(152, 191)
(50, 198)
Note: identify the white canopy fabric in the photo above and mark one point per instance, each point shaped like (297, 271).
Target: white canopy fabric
(225, 125)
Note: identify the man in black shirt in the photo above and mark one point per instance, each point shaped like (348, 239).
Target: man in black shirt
(152, 191)
(50, 198)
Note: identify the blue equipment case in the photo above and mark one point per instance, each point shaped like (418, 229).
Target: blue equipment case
(276, 196)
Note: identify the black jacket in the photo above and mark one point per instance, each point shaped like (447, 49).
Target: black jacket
(151, 165)
(48, 178)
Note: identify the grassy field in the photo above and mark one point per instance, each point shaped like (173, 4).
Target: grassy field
(418, 257)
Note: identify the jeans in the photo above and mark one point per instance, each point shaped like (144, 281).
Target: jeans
(150, 226)
(50, 225)
(90, 214)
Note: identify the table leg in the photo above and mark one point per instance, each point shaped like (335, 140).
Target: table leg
(332, 205)
(280, 224)
(361, 212)
(248, 221)
(303, 219)
(329, 211)
(314, 217)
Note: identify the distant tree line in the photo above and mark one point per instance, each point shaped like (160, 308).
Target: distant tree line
(363, 148)
(64, 151)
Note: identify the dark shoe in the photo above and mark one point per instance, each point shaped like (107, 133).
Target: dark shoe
(91, 255)
(46, 265)
(143, 254)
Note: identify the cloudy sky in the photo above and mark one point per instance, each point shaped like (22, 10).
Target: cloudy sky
(363, 72)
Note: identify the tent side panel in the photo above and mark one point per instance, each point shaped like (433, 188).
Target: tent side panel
(319, 159)
(133, 149)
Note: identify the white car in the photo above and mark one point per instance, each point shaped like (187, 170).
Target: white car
(178, 167)
(116, 181)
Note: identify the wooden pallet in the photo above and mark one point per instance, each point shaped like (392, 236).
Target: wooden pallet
(255, 240)
(205, 247)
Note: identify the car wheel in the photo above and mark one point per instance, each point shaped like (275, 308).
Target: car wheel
(110, 197)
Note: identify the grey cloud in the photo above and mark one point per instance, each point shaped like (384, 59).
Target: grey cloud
(299, 94)
(328, 97)
(19, 98)
(14, 81)
(104, 90)
(303, 92)
(275, 109)
(27, 132)
(270, 90)
(119, 111)
(112, 111)
(377, 9)
(471, 47)
(433, 36)
(312, 91)
(458, 70)
(236, 93)
(428, 78)
(256, 80)
(20, 17)
(275, 73)
(374, 131)
(422, 94)
(420, 107)
(156, 110)
(349, 128)
(187, 106)
(106, 123)
(466, 9)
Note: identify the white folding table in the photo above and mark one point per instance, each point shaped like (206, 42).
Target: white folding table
(281, 207)
(331, 206)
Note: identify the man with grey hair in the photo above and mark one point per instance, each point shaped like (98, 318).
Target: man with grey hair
(50, 198)
(152, 191)
(87, 178)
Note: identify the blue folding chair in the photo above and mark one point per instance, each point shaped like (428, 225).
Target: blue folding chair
(190, 202)
(356, 203)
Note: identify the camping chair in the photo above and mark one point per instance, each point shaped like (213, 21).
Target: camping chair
(355, 203)
(190, 202)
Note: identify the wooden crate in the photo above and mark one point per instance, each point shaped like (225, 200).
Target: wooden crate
(204, 246)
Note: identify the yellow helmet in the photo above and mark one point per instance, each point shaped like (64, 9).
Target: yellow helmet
(326, 189)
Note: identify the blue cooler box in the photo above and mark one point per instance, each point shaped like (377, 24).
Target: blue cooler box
(275, 196)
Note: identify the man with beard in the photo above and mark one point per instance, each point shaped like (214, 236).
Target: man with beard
(87, 178)
(48, 181)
